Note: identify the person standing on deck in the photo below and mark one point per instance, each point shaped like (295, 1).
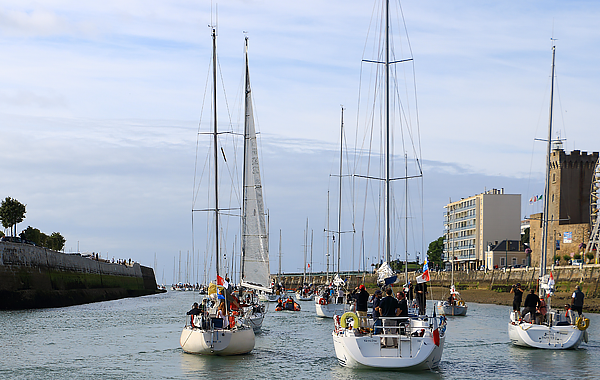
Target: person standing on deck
(518, 292)
(577, 300)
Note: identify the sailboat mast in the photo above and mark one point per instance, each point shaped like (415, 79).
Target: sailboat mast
(546, 219)
(387, 135)
(215, 155)
(327, 238)
(305, 247)
(246, 138)
(339, 242)
(406, 219)
(311, 252)
(279, 272)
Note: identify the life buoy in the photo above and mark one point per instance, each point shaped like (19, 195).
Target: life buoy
(322, 301)
(278, 308)
(461, 303)
(347, 315)
(583, 323)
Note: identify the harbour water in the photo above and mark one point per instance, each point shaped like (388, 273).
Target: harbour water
(138, 338)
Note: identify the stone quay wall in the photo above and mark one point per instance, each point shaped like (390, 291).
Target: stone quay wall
(36, 277)
(565, 277)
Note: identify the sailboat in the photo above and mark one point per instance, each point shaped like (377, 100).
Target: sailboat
(255, 274)
(205, 333)
(414, 342)
(331, 300)
(557, 331)
(455, 305)
(305, 293)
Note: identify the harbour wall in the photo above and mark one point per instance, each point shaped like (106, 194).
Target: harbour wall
(565, 277)
(36, 277)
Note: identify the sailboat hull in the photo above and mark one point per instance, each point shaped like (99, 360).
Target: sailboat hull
(300, 297)
(329, 310)
(217, 342)
(367, 352)
(445, 308)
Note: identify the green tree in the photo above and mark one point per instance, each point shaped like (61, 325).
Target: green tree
(56, 241)
(567, 258)
(12, 212)
(34, 235)
(435, 250)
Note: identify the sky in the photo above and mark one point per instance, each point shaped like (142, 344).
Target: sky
(101, 104)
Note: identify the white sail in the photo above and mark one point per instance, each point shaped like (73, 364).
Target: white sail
(255, 247)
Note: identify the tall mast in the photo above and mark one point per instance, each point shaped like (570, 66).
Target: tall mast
(546, 219)
(305, 248)
(339, 242)
(327, 237)
(406, 219)
(246, 138)
(311, 252)
(215, 155)
(279, 272)
(387, 134)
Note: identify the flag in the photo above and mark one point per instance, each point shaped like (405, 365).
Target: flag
(308, 265)
(425, 276)
(436, 331)
(222, 282)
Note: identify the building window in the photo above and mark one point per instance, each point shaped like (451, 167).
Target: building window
(502, 262)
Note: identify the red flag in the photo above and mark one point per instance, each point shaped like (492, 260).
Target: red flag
(220, 280)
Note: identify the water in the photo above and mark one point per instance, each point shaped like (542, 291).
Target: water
(138, 338)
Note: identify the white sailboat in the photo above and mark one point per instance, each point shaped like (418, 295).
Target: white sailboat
(255, 272)
(455, 305)
(414, 342)
(205, 334)
(557, 331)
(331, 301)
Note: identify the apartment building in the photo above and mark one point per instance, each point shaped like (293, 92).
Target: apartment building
(473, 223)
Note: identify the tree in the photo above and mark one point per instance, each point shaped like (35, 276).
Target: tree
(12, 212)
(56, 241)
(34, 235)
(435, 250)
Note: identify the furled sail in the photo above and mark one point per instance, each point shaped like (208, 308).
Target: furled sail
(255, 247)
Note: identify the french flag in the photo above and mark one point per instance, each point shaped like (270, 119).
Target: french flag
(436, 331)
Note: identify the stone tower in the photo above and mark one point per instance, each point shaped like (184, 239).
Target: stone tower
(571, 178)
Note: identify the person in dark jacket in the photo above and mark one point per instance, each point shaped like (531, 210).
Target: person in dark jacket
(577, 300)
(518, 292)
(531, 304)
(361, 296)
(194, 312)
(377, 323)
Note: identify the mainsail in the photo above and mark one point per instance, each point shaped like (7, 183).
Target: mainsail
(255, 247)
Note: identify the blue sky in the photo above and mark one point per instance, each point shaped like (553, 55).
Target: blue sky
(100, 104)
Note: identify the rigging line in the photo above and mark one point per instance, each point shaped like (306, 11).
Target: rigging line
(194, 191)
